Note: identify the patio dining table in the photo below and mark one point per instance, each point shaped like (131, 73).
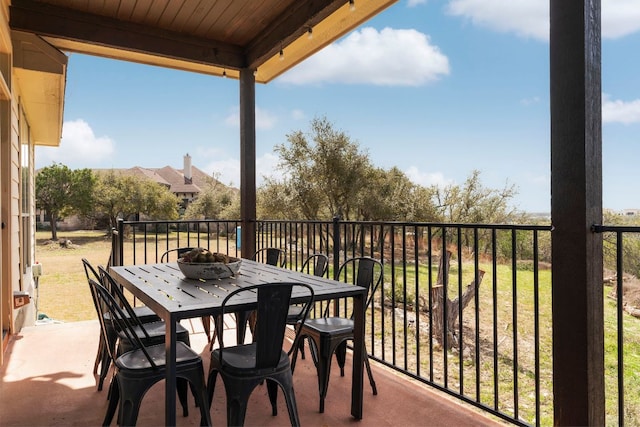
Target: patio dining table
(164, 289)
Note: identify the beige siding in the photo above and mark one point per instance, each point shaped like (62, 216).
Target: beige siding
(5, 199)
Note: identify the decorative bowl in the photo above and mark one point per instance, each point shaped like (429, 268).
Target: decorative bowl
(209, 270)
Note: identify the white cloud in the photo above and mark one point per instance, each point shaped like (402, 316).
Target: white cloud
(78, 146)
(617, 111)
(427, 179)
(386, 58)
(264, 119)
(414, 3)
(530, 18)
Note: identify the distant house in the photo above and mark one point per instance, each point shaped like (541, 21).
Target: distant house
(186, 183)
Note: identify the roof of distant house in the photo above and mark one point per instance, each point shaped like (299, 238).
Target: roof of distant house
(168, 176)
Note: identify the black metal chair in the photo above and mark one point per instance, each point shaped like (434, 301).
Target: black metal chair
(329, 334)
(144, 365)
(316, 264)
(271, 256)
(244, 366)
(150, 332)
(103, 359)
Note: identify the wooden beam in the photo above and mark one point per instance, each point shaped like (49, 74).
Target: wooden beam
(576, 204)
(57, 22)
(288, 27)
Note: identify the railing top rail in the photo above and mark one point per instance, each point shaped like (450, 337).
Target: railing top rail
(546, 227)
(597, 228)
(176, 221)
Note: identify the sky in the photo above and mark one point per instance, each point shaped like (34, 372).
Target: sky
(437, 88)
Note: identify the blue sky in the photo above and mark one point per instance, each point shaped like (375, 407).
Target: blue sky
(437, 88)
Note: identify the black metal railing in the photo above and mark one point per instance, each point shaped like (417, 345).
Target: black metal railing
(464, 308)
(621, 251)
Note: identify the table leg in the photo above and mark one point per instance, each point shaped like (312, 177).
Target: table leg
(170, 372)
(358, 356)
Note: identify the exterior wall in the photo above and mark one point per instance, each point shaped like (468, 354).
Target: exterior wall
(16, 258)
(26, 315)
(6, 275)
(14, 208)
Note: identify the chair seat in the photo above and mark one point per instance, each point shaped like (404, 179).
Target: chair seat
(241, 361)
(135, 360)
(144, 313)
(330, 325)
(156, 332)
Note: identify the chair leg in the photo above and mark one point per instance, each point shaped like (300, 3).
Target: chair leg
(196, 380)
(236, 407)
(290, 399)
(114, 397)
(301, 345)
(211, 386)
(181, 388)
(272, 390)
(105, 364)
(371, 381)
(324, 370)
(341, 356)
(96, 363)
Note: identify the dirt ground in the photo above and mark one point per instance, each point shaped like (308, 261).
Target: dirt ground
(630, 291)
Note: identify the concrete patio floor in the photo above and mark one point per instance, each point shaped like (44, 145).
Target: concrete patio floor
(47, 380)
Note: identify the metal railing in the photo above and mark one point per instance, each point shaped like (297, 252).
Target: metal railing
(621, 247)
(464, 308)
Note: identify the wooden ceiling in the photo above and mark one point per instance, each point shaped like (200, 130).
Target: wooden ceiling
(213, 37)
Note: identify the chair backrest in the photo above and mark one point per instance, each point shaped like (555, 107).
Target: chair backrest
(272, 306)
(316, 264)
(362, 271)
(90, 271)
(115, 290)
(271, 256)
(107, 304)
(178, 252)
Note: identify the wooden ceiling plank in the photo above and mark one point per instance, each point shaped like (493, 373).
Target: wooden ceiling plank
(170, 13)
(125, 10)
(199, 16)
(57, 22)
(142, 11)
(155, 12)
(255, 15)
(183, 20)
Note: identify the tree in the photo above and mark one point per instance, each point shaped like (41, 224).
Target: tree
(119, 195)
(396, 198)
(326, 171)
(214, 200)
(472, 203)
(61, 191)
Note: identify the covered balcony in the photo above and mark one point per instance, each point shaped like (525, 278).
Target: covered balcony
(243, 47)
